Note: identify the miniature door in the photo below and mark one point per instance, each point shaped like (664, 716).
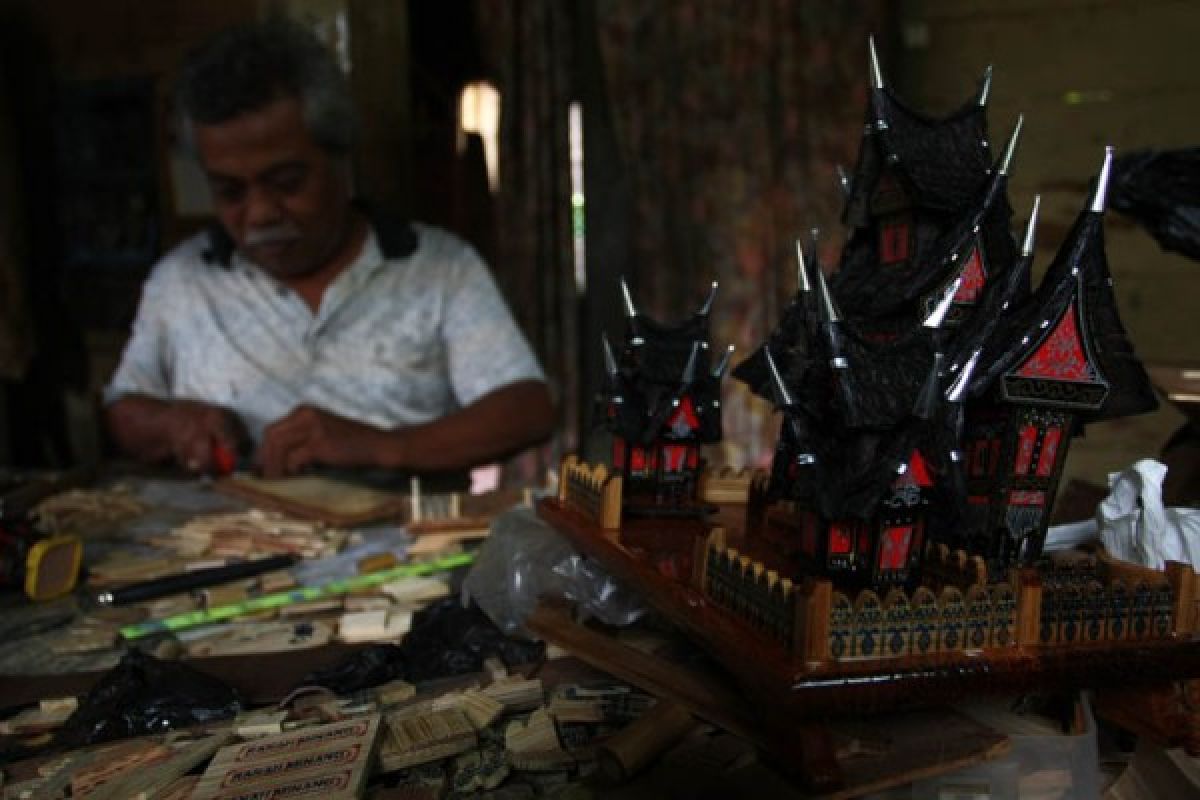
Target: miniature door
(841, 620)
(1004, 615)
(897, 623)
(924, 621)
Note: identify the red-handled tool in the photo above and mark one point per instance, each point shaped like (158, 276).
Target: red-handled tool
(224, 459)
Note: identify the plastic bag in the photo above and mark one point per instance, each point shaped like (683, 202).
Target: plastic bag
(525, 559)
(142, 695)
(1135, 525)
(446, 639)
(372, 666)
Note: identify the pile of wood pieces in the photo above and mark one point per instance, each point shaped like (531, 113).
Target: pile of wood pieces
(84, 512)
(240, 534)
(494, 731)
(215, 539)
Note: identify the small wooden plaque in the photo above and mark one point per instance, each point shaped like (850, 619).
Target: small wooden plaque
(327, 761)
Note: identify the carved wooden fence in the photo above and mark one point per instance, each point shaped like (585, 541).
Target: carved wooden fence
(747, 588)
(592, 491)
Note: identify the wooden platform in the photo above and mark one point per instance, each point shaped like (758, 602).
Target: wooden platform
(789, 688)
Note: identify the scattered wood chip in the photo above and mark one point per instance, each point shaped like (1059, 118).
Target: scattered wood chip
(410, 740)
(86, 511)
(393, 693)
(533, 744)
(516, 693)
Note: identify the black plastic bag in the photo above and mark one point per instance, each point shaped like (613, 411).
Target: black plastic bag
(446, 639)
(1161, 191)
(369, 667)
(142, 695)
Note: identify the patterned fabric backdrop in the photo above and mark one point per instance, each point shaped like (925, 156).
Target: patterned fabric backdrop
(733, 116)
(730, 118)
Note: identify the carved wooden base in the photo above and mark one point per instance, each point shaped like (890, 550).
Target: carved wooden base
(655, 557)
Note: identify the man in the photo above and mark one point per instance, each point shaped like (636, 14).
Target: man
(302, 325)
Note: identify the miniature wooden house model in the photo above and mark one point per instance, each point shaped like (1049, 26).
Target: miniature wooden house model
(661, 402)
(928, 394)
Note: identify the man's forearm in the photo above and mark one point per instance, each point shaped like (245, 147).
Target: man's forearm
(499, 424)
(140, 426)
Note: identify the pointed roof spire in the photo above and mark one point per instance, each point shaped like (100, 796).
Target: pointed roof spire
(926, 401)
(1101, 194)
(780, 386)
(876, 72)
(937, 315)
(723, 364)
(630, 310)
(610, 361)
(985, 87)
(802, 282)
(958, 390)
(829, 312)
(843, 180)
(689, 369)
(708, 301)
(1006, 162)
(1031, 227)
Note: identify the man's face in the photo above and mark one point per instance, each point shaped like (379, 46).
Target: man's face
(283, 199)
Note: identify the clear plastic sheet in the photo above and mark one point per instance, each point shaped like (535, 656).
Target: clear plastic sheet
(375, 540)
(525, 559)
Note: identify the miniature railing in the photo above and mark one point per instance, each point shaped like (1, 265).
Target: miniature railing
(747, 588)
(592, 491)
(1111, 601)
(924, 624)
(726, 485)
(943, 567)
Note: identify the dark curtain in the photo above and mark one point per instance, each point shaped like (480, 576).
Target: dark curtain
(528, 47)
(16, 328)
(713, 132)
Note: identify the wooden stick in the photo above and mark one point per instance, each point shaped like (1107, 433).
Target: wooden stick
(625, 753)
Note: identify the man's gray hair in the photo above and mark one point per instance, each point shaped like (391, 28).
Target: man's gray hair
(247, 68)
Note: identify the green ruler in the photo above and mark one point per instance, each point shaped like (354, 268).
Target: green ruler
(191, 619)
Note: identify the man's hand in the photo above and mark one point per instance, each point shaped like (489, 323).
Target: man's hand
(309, 435)
(195, 430)
(154, 430)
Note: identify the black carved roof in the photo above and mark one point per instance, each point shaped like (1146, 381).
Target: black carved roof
(651, 379)
(865, 289)
(857, 424)
(1078, 281)
(942, 163)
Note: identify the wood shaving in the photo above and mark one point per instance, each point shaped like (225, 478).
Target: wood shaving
(86, 511)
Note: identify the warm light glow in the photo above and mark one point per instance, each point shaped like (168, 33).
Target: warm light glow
(575, 147)
(479, 113)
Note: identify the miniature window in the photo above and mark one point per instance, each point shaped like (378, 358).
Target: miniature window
(840, 538)
(894, 241)
(893, 552)
(974, 277)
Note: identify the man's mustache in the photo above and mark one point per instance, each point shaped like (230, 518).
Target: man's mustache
(279, 234)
